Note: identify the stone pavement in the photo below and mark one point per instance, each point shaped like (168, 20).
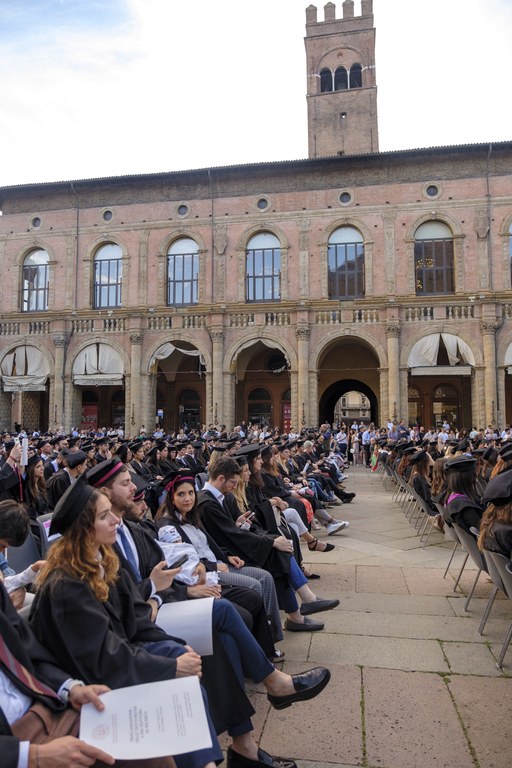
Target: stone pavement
(413, 683)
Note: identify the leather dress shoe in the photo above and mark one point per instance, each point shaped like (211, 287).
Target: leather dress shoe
(307, 626)
(236, 760)
(317, 606)
(307, 685)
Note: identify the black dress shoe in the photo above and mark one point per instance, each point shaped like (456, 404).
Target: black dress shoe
(317, 606)
(236, 760)
(308, 625)
(307, 686)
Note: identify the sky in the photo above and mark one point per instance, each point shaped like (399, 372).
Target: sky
(96, 88)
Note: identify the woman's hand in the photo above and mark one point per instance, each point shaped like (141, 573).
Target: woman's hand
(162, 577)
(222, 568)
(200, 572)
(283, 544)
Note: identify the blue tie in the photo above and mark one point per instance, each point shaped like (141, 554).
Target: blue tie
(128, 551)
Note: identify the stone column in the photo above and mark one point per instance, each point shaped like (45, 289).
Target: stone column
(229, 399)
(502, 412)
(217, 337)
(57, 415)
(133, 407)
(392, 336)
(490, 394)
(303, 334)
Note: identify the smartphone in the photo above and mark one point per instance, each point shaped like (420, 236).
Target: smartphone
(177, 563)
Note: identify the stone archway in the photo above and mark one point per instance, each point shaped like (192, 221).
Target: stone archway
(339, 388)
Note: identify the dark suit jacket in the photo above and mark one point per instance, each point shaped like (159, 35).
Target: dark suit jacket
(23, 644)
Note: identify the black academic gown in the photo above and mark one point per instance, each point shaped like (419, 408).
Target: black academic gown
(501, 539)
(464, 512)
(12, 485)
(100, 642)
(23, 644)
(57, 486)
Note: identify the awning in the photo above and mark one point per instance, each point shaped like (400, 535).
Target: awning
(24, 383)
(442, 370)
(98, 380)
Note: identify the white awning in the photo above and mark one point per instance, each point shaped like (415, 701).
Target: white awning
(25, 369)
(24, 383)
(99, 380)
(98, 365)
(442, 370)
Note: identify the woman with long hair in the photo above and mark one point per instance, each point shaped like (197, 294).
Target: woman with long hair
(92, 616)
(35, 488)
(178, 520)
(496, 526)
(419, 478)
(463, 505)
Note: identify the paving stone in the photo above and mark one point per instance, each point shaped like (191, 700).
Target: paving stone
(470, 659)
(413, 604)
(411, 722)
(380, 579)
(427, 581)
(449, 628)
(382, 652)
(485, 705)
(327, 729)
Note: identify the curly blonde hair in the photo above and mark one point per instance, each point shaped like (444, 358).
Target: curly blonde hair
(75, 554)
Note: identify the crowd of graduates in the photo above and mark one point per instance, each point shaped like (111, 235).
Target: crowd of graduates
(231, 508)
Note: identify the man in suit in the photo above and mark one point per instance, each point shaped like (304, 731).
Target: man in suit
(22, 742)
(75, 463)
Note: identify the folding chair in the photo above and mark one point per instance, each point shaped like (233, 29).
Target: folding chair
(468, 541)
(504, 568)
(43, 521)
(20, 558)
(494, 573)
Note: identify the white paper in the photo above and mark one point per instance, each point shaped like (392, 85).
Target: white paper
(24, 452)
(190, 620)
(150, 720)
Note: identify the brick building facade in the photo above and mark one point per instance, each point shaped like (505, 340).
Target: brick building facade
(265, 292)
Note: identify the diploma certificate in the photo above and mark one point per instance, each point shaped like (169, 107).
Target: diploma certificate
(150, 720)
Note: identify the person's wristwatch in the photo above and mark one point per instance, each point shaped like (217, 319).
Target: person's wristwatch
(66, 689)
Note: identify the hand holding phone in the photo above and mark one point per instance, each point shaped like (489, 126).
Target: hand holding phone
(177, 563)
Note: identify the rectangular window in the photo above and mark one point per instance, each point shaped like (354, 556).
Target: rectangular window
(263, 274)
(108, 283)
(345, 270)
(35, 288)
(433, 261)
(182, 279)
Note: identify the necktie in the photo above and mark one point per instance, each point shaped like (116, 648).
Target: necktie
(128, 551)
(16, 671)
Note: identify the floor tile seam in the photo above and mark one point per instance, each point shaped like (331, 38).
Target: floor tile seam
(464, 727)
(437, 639)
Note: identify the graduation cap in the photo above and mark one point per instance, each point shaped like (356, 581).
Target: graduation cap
(499, 490)
(490, 454)
(505, 452)
(136, 445)
(460, 464)
(74, 458)
(86, 447)
(418, 456)
(177, 477)
(105, 471)
(100, 441)
(70, 505)
(33, 460)
(251, 449)
(141, 485)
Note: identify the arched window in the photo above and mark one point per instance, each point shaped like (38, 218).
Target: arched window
(263, 268)
(325, 80)
(356, 76)
(433, 259)
(340, 79)
(35, 282)
(183, 272)
(345, 255)
(108, 276)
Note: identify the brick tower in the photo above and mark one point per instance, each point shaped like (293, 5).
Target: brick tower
(342, 89)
